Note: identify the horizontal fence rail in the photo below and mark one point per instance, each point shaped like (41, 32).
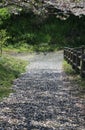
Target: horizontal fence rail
(76, 58)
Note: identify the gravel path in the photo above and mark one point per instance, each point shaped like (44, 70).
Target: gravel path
(44, 98)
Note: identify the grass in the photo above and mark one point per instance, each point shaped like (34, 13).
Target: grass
(75, 78)
(68, 69)
(44, 47)
(10, 68)
(10, 49)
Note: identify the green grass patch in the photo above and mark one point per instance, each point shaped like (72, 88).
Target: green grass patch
(44, 47)
(68, 69)
(10, 68)
(75, 78)
(10, 49)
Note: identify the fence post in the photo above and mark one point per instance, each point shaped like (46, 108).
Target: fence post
(71, 56)
(83, 66)
(74, 60)
(78, 63)
(65, 53)
(83, 48)
(68, 55)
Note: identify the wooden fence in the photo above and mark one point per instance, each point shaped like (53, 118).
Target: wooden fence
(76, 58)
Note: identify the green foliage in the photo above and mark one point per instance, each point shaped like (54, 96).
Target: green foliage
(3, 39)
(68, 69)
(4, 15)
(52, 31)
(44, 35)
(10, 68)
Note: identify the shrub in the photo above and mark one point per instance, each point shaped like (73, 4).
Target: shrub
(3, 39)
(4, 15)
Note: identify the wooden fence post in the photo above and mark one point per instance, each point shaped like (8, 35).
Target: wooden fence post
(78, 61)
(83, 48)
(74, 60)
(71, 56)
(68, 55)
(64, 53)
(83, 66)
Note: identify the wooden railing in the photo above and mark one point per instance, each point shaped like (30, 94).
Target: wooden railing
(76, 58)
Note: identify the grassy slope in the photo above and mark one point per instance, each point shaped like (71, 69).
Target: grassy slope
(10, 69)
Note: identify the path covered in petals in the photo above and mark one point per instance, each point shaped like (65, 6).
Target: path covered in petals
(43, 98)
